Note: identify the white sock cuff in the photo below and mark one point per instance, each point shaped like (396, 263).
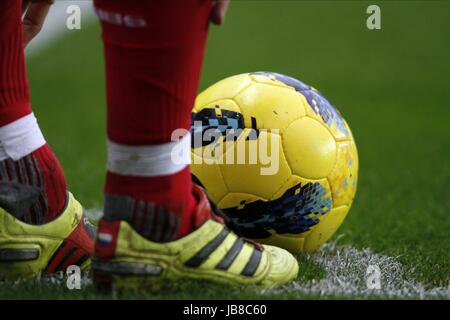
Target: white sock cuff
(21, 137)
(150, 161)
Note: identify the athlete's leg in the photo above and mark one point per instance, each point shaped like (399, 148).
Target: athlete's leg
(153, 55)
(32, 182)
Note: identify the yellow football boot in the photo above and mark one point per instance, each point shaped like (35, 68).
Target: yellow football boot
(124, 259)
(27, 250)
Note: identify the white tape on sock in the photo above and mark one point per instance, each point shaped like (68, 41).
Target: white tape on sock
(149, 161)
(20, 138)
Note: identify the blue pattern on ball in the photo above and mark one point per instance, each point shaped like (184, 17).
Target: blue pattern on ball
(316, 100)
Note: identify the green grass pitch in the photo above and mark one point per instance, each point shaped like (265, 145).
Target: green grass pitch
(392, 86)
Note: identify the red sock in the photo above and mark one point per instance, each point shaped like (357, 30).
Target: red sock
(27, 164)
(14, 96)
(173, 193)
(153, 54)
(40, 170)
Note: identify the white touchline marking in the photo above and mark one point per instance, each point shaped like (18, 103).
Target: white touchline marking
(346, 276)
(55, 24)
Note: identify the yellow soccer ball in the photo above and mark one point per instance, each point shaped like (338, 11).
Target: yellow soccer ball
(276, 157)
